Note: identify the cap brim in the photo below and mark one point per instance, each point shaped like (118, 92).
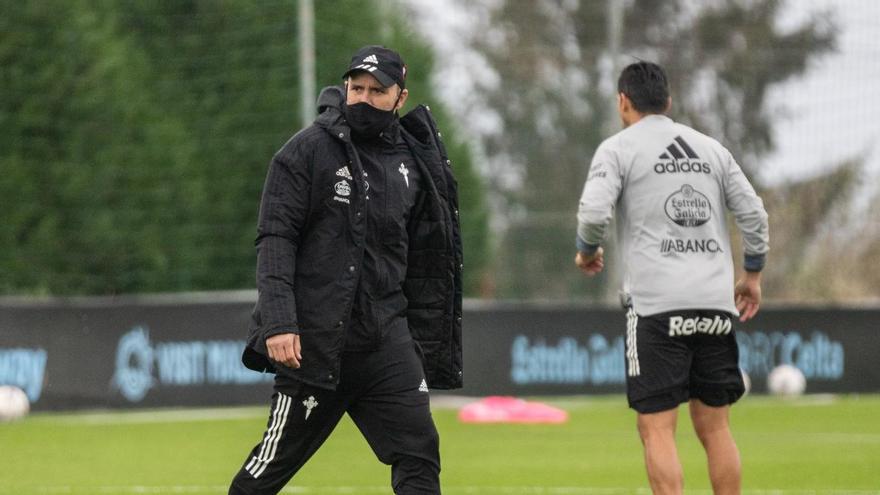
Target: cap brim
(383, 78)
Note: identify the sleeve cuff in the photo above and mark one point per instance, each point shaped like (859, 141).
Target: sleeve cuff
(279, 330)
(582, 246)
(754, 262)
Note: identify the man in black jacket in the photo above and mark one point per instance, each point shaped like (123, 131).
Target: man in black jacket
(359, 281)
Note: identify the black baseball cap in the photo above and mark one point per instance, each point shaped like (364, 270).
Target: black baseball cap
(382, 63)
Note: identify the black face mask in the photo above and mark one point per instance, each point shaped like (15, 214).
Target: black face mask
(367, 121)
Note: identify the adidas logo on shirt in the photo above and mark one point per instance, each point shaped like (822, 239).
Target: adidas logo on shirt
(343, 172)
(678, 149)
(680, 157)
(424, 386)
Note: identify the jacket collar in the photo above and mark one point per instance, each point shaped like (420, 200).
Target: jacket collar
(330, 115)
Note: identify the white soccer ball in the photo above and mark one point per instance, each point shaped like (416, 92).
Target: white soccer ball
(786, 380)
(14, 403)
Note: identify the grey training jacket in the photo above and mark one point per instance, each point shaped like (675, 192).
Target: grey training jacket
(671, 186)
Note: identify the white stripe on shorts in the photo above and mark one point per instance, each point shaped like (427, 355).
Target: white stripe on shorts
(632, 351)
(270, 440)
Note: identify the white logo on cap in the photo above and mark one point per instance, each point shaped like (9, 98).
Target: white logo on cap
(366, 67)
(371, 60)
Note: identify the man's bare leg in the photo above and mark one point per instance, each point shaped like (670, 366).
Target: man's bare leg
(712, 425)
(657, 431)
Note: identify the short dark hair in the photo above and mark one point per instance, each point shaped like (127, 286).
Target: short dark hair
(646, 86)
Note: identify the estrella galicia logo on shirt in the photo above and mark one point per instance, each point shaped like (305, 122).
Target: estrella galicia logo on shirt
(342, 188)
(688, 207)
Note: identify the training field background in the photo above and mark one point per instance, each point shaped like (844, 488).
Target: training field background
(815, 444)
(136, 138)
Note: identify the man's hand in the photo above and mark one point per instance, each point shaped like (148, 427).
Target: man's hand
(590, 264)
(747, 295)
(285, 349)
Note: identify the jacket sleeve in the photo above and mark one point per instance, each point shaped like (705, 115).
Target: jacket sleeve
(749, 214)
(596, 207)
(283, 212)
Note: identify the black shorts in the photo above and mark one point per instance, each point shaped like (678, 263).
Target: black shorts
(681, 355)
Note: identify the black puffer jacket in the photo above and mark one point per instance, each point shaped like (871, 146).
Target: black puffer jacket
(310, 246)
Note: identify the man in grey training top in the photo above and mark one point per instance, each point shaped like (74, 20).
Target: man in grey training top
(670, 187)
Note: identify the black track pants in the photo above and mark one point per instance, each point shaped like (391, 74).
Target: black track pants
(383, 392)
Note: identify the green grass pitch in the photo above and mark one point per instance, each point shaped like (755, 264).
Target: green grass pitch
(811, 445)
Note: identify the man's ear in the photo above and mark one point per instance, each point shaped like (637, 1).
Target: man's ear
(668, 104)
(623, 103)
(402, 99)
